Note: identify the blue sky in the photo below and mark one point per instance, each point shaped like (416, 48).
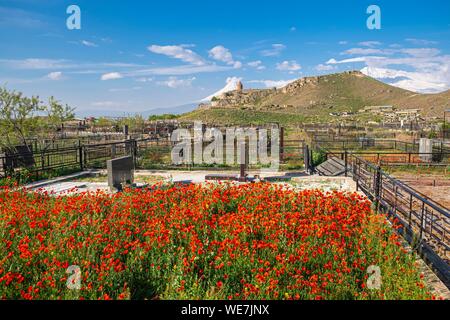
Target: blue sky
(131, 56)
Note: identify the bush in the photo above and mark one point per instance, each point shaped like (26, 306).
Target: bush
(318, 157)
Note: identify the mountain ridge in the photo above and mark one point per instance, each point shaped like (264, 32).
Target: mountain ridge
(318, 96)
(351, 89)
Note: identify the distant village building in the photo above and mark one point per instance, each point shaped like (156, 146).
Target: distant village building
(408, 112)
(378, 109)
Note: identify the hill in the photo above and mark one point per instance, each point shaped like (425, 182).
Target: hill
(314, 98)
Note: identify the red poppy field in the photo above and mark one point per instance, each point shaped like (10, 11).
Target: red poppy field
(257, 241)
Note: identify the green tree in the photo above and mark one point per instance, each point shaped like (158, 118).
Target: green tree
(135, 123)
(165, 116)
(22, 118)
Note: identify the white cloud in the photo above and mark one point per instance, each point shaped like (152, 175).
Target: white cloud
(174, 82)
(178, 52)
(256, 64)
(144, 79)
(290, 66)
(358, 51)
(13, 18)
(179, 70)
(413, 81)
(88, 43)
(55, 75)
(273, 83)
(36, 64)
(421, 52)
(351, 60)
(369, 43)
(105, 104)
(420, 42)
(111, 76)
(323, 67)
(220, 53)
(275, 50)
(423, 70)
(342, 42)
(237, 65)
(124, 89)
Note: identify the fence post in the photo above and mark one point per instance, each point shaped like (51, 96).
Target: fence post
(307, 159)
(422, 221)
(410, 210)
(377, 187)
(135, 152)
(80, 155)
(4, 166)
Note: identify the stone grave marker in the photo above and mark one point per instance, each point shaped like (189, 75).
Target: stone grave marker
(426, 149)
(120, 172)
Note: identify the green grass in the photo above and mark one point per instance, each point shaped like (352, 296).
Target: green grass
(231, 116)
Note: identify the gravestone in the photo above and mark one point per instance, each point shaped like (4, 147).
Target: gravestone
(307, 159)
(130, 147)
(22, 156)
(113, 151)
(367, 142)
(426, 149)
(120, 172)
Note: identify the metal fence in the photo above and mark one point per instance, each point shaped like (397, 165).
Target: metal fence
(41, 163)
(397, 158)
(379, 144)
(149, 153)
(425, 224)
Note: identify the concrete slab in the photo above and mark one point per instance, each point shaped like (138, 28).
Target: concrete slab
(332, 167)
(74, 176)
(345, 184)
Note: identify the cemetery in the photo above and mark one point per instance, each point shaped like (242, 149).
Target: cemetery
(125, 170)
(257, 152)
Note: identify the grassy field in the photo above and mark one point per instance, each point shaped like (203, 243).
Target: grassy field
(236, 116)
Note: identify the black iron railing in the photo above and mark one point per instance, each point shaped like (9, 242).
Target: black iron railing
(425, 223)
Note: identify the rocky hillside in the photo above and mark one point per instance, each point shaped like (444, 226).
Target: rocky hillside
(317, 97)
